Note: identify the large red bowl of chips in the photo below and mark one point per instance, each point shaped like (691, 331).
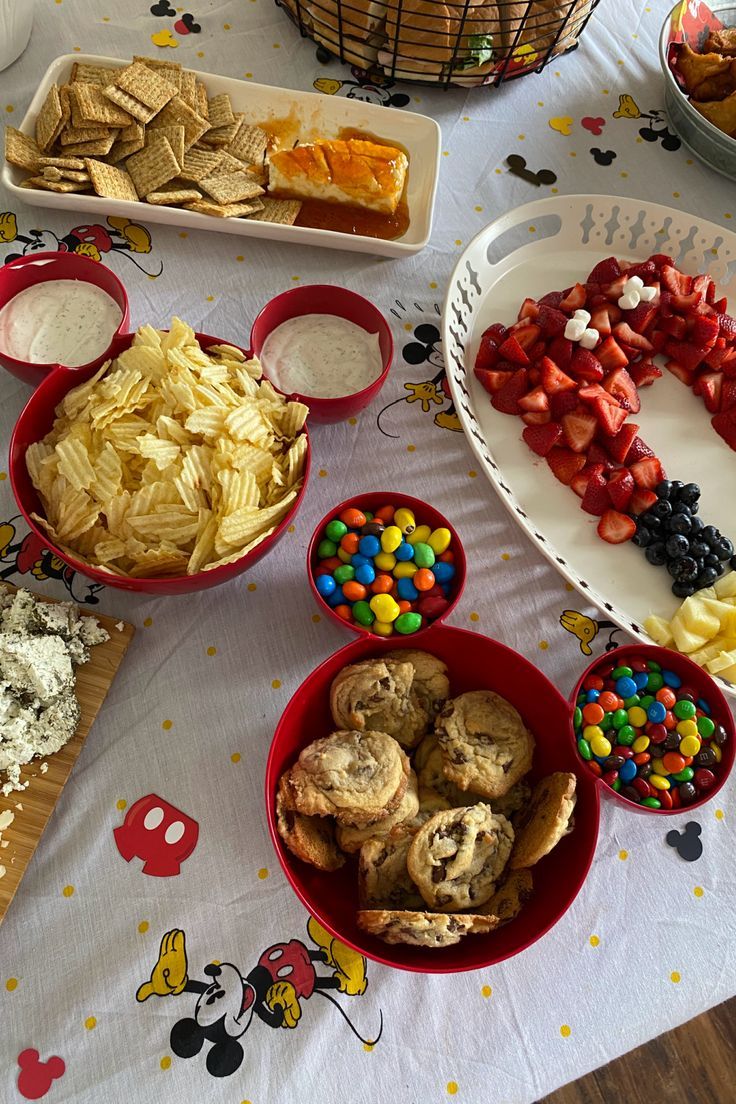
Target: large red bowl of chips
(474, 662)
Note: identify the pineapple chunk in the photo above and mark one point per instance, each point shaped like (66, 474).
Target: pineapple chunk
(659, 630)
(699, 617)
(721, 662)
(726, 614)
(725, 587)
(701, 657)
(686, 641)
(729, 673)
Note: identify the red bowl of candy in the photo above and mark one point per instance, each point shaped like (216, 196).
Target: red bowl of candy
(36, 420)
(474, 662)
(339, 302)
(391, 574)
(42, 268)
(667, 746)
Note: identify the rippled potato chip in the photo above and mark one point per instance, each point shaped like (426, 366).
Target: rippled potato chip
(171, 460)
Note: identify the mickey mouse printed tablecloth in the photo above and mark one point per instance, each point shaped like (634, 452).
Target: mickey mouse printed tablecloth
(154, 951)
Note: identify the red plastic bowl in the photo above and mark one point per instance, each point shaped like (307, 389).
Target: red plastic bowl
(691, 675)
(35, 421)
(474, 662)
(425, 515)
(327, 299)
(37, 268)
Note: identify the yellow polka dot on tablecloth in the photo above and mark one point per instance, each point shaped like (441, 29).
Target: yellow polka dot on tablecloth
(540, 103)
(544, 645)
(3, 476)
(143, 927)
(68, 890)
(605, 91)
(322, 472)
(165, 1062)
(183, 234)
(411, 448)
(200, 53)
(451, 1087)
(727, 214)
(623, 855)
(240, 257)
(368, 1047)
(249, 76)
(316, 618)
(291, 529)
(458, 241)
(675, 195)
(408, 327)
(296, 278)
(352, 421)
(147, 623)
(275, 684)
(477, 207)
(486, 991)
(11, 984)
(505, 556)
(210, 298)
(263, 873)
(475, 616)
(277, 45)
(624, 175)
(554, 190)
(433, 284)
(251, 587)
(594, 940)
(226, 26)
(466, 118)
(675, 977)
(472, 474)
(445, 153)
(90, 1023)
(565, 1031)
(569, 586)
(521, 137)
(212, 650)
(235, 757)
(166, 725)
(698, 891)
(121, 804)
(719, 814)
(9, 108)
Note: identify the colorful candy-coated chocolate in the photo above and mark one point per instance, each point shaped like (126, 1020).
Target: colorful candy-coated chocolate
(686, 728)
(594, 767)
(423, 579)
(353, 518)
(350, 543)
(705, 727)
(353, 591)
(423, 555)
(365, 573)
(443, 572)
(343, 556)
(344, 573)
(368, 546)
(391, 538)
(671, 679)
(592, 694)
(439, 540)
(641, 678)
(336, 598)
(683, 710)
(406, 589)
(372, 529)
(656, 712)
(689, 745)
(609, 701)
(408, 622)
(637, 716)
(326, 548)
(421, 534)
(592, 713)
(673, 763)
(405, 570)
(626, 734)
(666, 696)
(600, 745)
(404, 552)
(585, 749)
(593, 682)
(652, 803)
(657, 733)
(382, 628)
(405, 520)
(704, 779)
(627, 772)
(385, 514)
(345, 612)
(325, 585)
(386, 561)
(641, 743)
(335, 529)
(625, 686)
(363, 613)
(384, 607)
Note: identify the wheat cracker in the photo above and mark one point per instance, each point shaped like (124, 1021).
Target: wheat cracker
(152, 166)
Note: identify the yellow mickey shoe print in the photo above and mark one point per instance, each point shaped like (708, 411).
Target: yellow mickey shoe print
(349, 965)
(447, 419)
(169, 975)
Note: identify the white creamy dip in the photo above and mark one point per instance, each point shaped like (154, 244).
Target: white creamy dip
(66, 322)
(322, 356)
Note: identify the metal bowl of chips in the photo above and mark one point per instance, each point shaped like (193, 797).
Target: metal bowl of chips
(702, 137)
(210, 556)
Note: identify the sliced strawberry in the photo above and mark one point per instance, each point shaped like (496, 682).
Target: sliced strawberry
(717, 355)
(685, 374)
(610, 355)
(625, 334)
(487, 357)
(579, 429)
(565, 464)
(574, 299)
(605, 271)
(616, 528)
(618, 446)
(492, 381)
(561, 403)
(560, 351)
(535, 376)
(621, 488)
(629, 352)
(579, 483)
(688, 355)
(528, 309)
(728, 395)
(641, 500)
(536, 417)
(554, 379)
(551, 299)
(586, 366)
(660, 259)
(641, 317)
(644, 373)
(512, 350)
(647, 473)
(552, 321)
(720, 306)
(638, 450)
(598, 455)
(600, 320)
(729, 365)
(709, 386)
(675, 281)
(526, 334)
(674, 326)
(536, 400)
(537, 350)
(507, 399)
(541, 439)
(725, 426)
(497, 332)
(727, 326)
(686, 304)
(620, 384)
(610, 417)
(596, 500)
(646, 271)
(615, 289)
(704, 284)
(593, 392)
(658, 339)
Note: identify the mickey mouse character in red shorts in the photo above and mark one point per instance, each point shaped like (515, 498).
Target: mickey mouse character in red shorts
(284, 976)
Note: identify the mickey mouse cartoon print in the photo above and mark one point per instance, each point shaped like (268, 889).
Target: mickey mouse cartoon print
(284, 976)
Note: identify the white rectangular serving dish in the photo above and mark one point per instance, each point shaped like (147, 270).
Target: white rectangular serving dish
(313, 115)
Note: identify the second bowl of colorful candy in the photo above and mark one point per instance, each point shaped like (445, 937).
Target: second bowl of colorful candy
(653, 728)
(386, 564)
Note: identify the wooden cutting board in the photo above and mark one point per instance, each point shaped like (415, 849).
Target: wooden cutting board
(33, 806)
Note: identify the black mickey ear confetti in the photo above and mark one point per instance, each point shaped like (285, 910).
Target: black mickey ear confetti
(687, 843)
(162, 8)
(191, 26)
(603, 157)
(517, 167)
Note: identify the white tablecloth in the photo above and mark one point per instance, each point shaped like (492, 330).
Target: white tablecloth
(648, 943)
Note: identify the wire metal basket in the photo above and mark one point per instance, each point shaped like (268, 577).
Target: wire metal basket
(466, 43)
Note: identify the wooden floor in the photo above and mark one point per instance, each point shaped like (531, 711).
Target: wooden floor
(695, 1064)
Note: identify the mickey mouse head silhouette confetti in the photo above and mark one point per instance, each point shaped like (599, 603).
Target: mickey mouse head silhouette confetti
(35, 1077)
(183, 26)
(517, 167)
(687, 842)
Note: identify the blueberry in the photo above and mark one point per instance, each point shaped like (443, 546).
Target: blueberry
(733, 562)
(656, 554)
(711, 535)
(654, 523)
(696, 524)
(712, 560)
(724, 548)
(683, 590)
(663, 489)
(677, 545)
(677, 486)
(681, 508)
(686, 569)
(642, 537)
(699, 549)
(661, 509)
(706, 577)
(690, 494)
(680, 523)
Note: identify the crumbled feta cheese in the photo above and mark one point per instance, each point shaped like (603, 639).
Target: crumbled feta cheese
(3, 871)
(6, 819)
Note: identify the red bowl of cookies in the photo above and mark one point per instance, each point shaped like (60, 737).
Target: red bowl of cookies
(426, 804)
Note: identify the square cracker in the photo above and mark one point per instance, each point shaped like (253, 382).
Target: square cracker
(75, 163)
(174, 197)
(223, 135)
(231, 187)
(178, 113)
(282, 211)
(145, 86)
(52, 173)
(219, 110)
(54, 185)
(152, 166)
(91, 105)
(175, 135)
(187, 89)
(21, 149)
(84, 73)
(229, 164)
(129, 140)
(170, 70)
(225, 210)
(201, 103)
(49, 120)
(71, 135)
(199, 163)
(249, 143)
(109, 181)
(98, 148)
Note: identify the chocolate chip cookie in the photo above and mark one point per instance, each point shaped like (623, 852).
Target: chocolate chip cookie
(431, 684)
(513, 803)
(352, 839)
(485, 744)
(429, 765)
(358, 777)
(422, 929)
(457, 857)
(383, 878)
(515, 891)
(310, 838)
(377, 695)
(546, 820)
